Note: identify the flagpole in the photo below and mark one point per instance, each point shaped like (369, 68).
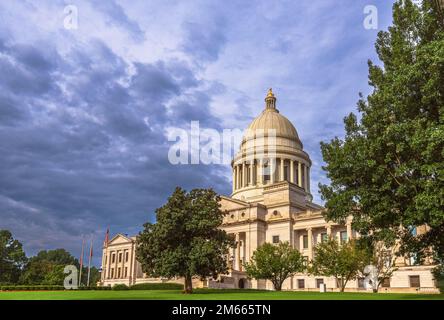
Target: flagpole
(81, 262)
(89, 260)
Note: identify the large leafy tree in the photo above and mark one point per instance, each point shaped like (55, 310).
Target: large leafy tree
(186, 240)
(47, 267)
(388, 171)
(344, 261)
(275, 263)
(12, 258)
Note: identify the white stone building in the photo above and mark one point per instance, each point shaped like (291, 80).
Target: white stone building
(270, 202)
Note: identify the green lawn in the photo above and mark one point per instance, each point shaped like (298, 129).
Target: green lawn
(208, 294)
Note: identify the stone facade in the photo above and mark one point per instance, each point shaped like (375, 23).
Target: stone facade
(270, 202)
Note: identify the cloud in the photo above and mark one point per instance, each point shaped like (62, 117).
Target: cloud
(114, 15)
(83, 113)
(204, 41)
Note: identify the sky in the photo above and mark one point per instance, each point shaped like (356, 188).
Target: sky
(90, 89)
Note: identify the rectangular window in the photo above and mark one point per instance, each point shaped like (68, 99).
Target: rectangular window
(126, 272)
(361, 283)
(343, 236)
(277, 170)
(324, 237)
(126, 256)
(113, 259)
(414, 281)
(301, 283)
(303, 175)
(275, 239)
(120, 257)
(247, 167)
(319, 282)
(118, 272)
(305, 241)
(286, 172)
(296, 173)
(266, 173)
(385, 283)
(112, 273)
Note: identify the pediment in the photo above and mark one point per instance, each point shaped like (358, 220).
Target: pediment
(120, 239)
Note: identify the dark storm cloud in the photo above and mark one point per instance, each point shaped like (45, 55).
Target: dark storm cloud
(83, 145)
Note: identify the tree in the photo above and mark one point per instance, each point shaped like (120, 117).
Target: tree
(47, 267)
(275, 263)
(186, 240)
(12, 258)
(344, 261)
(388, 171)
(56, 256)
(382, 258)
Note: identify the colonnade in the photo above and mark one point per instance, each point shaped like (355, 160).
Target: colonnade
(268, 171)
(328, 232)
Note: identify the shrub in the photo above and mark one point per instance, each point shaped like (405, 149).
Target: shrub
(120, 287)
(30, 288)
(157, 286)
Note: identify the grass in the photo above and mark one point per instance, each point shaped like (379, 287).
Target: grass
(208, 294)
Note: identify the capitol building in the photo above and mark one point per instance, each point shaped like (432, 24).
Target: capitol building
(270, 202)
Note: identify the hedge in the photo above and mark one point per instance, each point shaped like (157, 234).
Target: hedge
(157, 286)
(120, 287)
(139, 286)
(44, 288)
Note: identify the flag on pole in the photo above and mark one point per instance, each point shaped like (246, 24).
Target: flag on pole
(105, 243)
(81, 262)
(89, 261)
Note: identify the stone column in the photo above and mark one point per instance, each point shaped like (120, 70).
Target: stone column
(244, 175)
(238, 262)
(130, 269)
(115, 264)
(123, 264)
(261, 171)
(301, 243)
(305, 179)
(251, 173)
(272, 167)
(237, 177)
(300, 174)
(328, 227)
(310, 243)
(292, 171)
(234, 179)
(349, 231)
(281, 174)
(109, 264)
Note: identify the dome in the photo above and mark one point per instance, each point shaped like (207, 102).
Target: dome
(271, 119)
